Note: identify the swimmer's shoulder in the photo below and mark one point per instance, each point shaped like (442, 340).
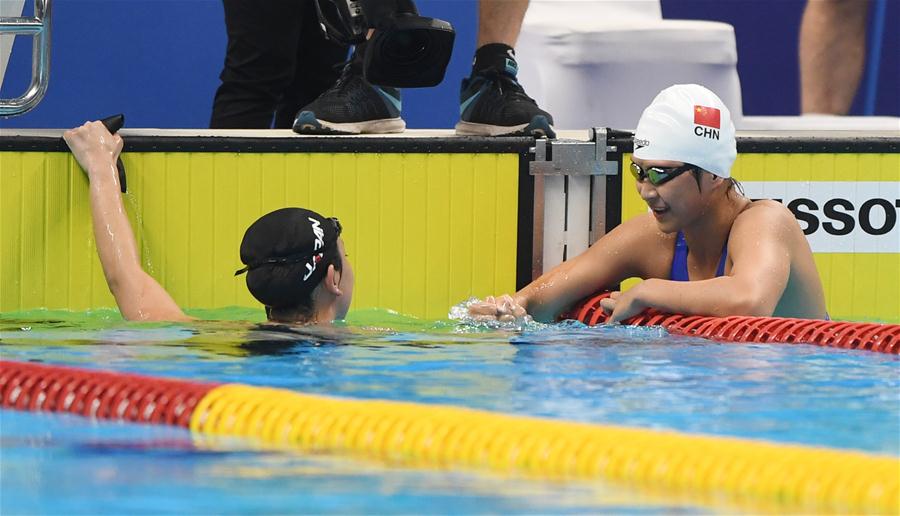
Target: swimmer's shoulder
(645, 231)
(768, 217)
(768, 205)
(647, 250)
(768, 210)
(637, 234)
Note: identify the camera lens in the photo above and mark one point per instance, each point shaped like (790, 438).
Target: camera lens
(408, 52)
(407, 47)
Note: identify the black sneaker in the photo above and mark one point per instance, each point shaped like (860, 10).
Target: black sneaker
(352, 106)
(493, 103)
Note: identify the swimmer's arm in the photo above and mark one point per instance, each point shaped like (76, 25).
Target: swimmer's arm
(620, 254)
(138, 295)
(761, 258)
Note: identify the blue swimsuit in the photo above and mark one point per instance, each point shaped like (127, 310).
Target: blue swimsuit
(679, 270)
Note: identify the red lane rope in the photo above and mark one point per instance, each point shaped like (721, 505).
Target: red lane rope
(98, 394)
(883, 338)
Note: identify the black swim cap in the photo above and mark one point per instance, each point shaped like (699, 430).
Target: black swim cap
(286, 253)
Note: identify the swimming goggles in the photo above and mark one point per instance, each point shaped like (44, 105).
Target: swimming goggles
(659, 175)
(292, 258)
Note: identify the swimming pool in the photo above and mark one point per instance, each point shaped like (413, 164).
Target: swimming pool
(638, 377)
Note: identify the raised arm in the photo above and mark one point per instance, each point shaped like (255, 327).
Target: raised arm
(138, 295)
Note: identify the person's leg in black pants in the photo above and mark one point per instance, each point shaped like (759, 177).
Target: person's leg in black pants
(266, 62)
(318, 67)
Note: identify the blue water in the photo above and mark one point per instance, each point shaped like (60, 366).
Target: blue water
(636, 377)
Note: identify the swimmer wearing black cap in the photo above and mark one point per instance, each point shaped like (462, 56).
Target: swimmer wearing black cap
(702, 248)
(296, 266)
(294, 258)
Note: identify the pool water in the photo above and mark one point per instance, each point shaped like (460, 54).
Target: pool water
(612, 375)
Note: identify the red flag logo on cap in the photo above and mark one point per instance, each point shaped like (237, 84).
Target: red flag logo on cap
(708, 116)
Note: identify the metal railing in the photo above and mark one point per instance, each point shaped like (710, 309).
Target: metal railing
(38, 27)
(569, 197)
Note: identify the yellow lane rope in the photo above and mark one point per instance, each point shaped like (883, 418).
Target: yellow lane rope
(420, 435)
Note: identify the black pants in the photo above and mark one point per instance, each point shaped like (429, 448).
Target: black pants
(277, 61)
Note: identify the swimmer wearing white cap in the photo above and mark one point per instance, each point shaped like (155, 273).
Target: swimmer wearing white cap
(702, 248)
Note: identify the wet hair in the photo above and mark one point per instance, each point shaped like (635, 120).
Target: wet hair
(303, 310)
(733, 184)
(287, 253)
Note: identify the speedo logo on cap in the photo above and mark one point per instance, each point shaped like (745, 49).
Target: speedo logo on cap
(707, 122)
(639, 143)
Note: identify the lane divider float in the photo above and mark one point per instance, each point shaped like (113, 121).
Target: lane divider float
(433, 436)
(883, 338)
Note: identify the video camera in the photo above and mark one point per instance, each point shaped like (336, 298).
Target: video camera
(405, 51)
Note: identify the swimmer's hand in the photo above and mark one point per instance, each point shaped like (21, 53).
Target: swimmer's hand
(623, 305)
(503, 309)
(96, 150)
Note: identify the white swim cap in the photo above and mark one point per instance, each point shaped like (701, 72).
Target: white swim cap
(687, 123)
